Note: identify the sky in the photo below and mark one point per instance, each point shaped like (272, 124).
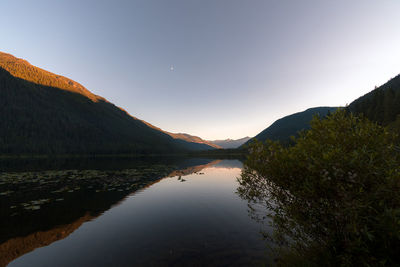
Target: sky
(212, 68)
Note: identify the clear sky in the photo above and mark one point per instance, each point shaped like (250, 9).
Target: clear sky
(212, 68)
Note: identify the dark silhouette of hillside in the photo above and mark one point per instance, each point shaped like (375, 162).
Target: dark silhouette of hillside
(381, 105)
(44, 113)
(284, 128)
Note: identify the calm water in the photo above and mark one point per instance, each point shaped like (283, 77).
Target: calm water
(192, 218)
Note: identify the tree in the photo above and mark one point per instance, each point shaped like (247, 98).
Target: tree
(333, 196)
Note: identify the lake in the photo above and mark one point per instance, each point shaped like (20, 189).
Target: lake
(179, 213)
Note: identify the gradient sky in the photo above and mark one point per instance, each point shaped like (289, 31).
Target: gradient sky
(238, 65)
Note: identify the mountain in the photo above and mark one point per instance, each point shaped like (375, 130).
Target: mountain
(282, 129)
(45, 113)
(186, 137)
(230, 143)
(194, 139)
(381, 105)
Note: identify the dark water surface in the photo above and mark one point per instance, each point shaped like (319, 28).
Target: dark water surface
(186, 215)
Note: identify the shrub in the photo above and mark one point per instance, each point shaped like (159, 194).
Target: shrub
(333, 196)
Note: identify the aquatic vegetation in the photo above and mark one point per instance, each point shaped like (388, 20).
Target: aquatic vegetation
(35, 190)
(5, 193)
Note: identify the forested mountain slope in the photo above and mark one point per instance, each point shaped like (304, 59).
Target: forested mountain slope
(44, 113)
(284, 128)
(381, 105)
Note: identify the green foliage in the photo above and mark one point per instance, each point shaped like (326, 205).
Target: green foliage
(333, 196)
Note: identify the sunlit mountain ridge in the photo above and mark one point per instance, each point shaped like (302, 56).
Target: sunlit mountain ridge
(45, 113)
(231, 143)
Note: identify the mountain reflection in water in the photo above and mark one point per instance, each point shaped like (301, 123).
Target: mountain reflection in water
(139, 218)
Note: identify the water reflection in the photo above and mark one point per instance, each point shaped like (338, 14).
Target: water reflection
(167, 222)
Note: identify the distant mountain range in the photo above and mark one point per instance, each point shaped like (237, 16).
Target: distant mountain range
(45, 113)
(185, 137)
(193, 139)
(230, 143)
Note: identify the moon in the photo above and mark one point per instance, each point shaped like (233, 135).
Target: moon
(171, 68)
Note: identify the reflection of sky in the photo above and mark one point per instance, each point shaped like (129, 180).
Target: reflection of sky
(200, 220)
(229, 164)
(214, 180)
(238, 65)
